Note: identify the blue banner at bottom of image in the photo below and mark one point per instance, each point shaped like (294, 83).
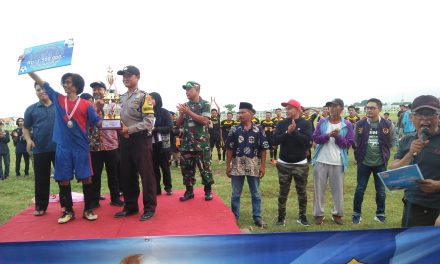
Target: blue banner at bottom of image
(421, 245)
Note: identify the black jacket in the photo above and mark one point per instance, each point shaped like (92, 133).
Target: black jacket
(163, 124)
(293, 147)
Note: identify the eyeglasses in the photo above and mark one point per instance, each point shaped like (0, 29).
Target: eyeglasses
(425, 115)
(371, 108)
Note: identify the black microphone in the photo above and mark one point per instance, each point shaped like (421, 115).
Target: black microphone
(424, 135)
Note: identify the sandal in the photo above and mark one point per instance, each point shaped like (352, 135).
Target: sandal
(39, 212)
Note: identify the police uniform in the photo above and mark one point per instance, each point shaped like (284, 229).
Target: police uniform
(137, 114)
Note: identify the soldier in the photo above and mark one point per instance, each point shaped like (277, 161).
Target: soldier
(137, 116)
(194, 117)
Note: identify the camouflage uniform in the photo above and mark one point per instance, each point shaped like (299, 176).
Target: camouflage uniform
(194, 146)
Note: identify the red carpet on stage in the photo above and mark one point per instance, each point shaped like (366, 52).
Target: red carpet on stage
(193, 217)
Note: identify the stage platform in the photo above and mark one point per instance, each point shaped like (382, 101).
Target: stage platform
(193, 217)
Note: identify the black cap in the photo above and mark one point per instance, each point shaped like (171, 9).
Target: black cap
(98, 84)
(248, 106)
(425, 101)
(86, 96)
(336, 101)
(130, 69)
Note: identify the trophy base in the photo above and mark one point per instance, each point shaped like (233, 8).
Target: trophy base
(111, 124)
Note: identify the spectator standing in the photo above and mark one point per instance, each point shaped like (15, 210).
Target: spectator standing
(163, 127)
(422, 205)
(226, 126)
(333, 136)
(40, 119)
(215, 136)
(20, 148)
(407, 123)
(4, 151)
(373, 138)
(293, 134)
(246, 158)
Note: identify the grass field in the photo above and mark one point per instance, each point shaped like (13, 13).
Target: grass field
(16, 194)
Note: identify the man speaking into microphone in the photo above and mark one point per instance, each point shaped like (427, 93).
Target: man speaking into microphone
(422, 205)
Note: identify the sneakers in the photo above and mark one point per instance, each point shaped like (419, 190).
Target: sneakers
(281, 221)
(356, 219)
(66, 217)
(337, 219)
(302, 220)
(380, 218)
(89, 215)
(319, 220)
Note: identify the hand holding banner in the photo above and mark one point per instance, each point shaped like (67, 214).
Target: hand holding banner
(46, 56)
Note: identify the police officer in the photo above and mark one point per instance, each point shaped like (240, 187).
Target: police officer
(137, 116)
(194, 117)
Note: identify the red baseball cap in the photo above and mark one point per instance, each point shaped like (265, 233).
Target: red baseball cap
(293, 103)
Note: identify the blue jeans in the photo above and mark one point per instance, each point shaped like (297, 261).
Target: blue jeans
(363, 175)
(254, 187)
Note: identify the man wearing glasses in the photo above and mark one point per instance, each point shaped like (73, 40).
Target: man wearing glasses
(373, 137)
(422, 205)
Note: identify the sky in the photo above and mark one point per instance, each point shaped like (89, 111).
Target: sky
(262, 52)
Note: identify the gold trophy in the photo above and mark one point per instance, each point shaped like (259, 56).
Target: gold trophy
(112, 104)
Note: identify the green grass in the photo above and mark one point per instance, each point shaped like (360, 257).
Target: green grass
(17, 192)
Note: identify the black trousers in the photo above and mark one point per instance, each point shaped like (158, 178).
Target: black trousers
(136, 159)
(18, 163)
(109, 158)
(42, 166)
(418, 215)
(161, 161)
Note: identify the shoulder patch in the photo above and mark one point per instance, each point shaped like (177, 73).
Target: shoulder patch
(147, 107)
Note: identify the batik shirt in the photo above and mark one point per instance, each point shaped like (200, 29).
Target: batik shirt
(195, 136)
(246, 146)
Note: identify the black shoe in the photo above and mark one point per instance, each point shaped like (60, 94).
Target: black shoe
(118, 203)
(208, 196)
(260, 223)
(102, 198)
(189, 194)
(281, 221)
(125, 213)
(147, 215)
(18, 174)
(169, 192)
(186, 196)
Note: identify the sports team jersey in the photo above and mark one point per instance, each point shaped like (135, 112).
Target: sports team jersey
(226, 127)
(268, 126)
(237, 122)
(256, 121)
(276, 120)
(214, 131)
(311, 118)
(75, 137)
(353, 119)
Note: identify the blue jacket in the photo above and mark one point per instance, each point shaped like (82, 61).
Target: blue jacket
(344, 140)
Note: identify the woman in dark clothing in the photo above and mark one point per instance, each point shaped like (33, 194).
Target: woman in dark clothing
(163, 127)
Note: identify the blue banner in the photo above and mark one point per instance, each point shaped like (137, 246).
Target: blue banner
(47, 56)
(413, 245)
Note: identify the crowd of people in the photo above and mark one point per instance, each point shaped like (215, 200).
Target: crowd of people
(65, 130)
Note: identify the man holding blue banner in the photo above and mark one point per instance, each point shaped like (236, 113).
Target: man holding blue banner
(72, 156)
(422, 205)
